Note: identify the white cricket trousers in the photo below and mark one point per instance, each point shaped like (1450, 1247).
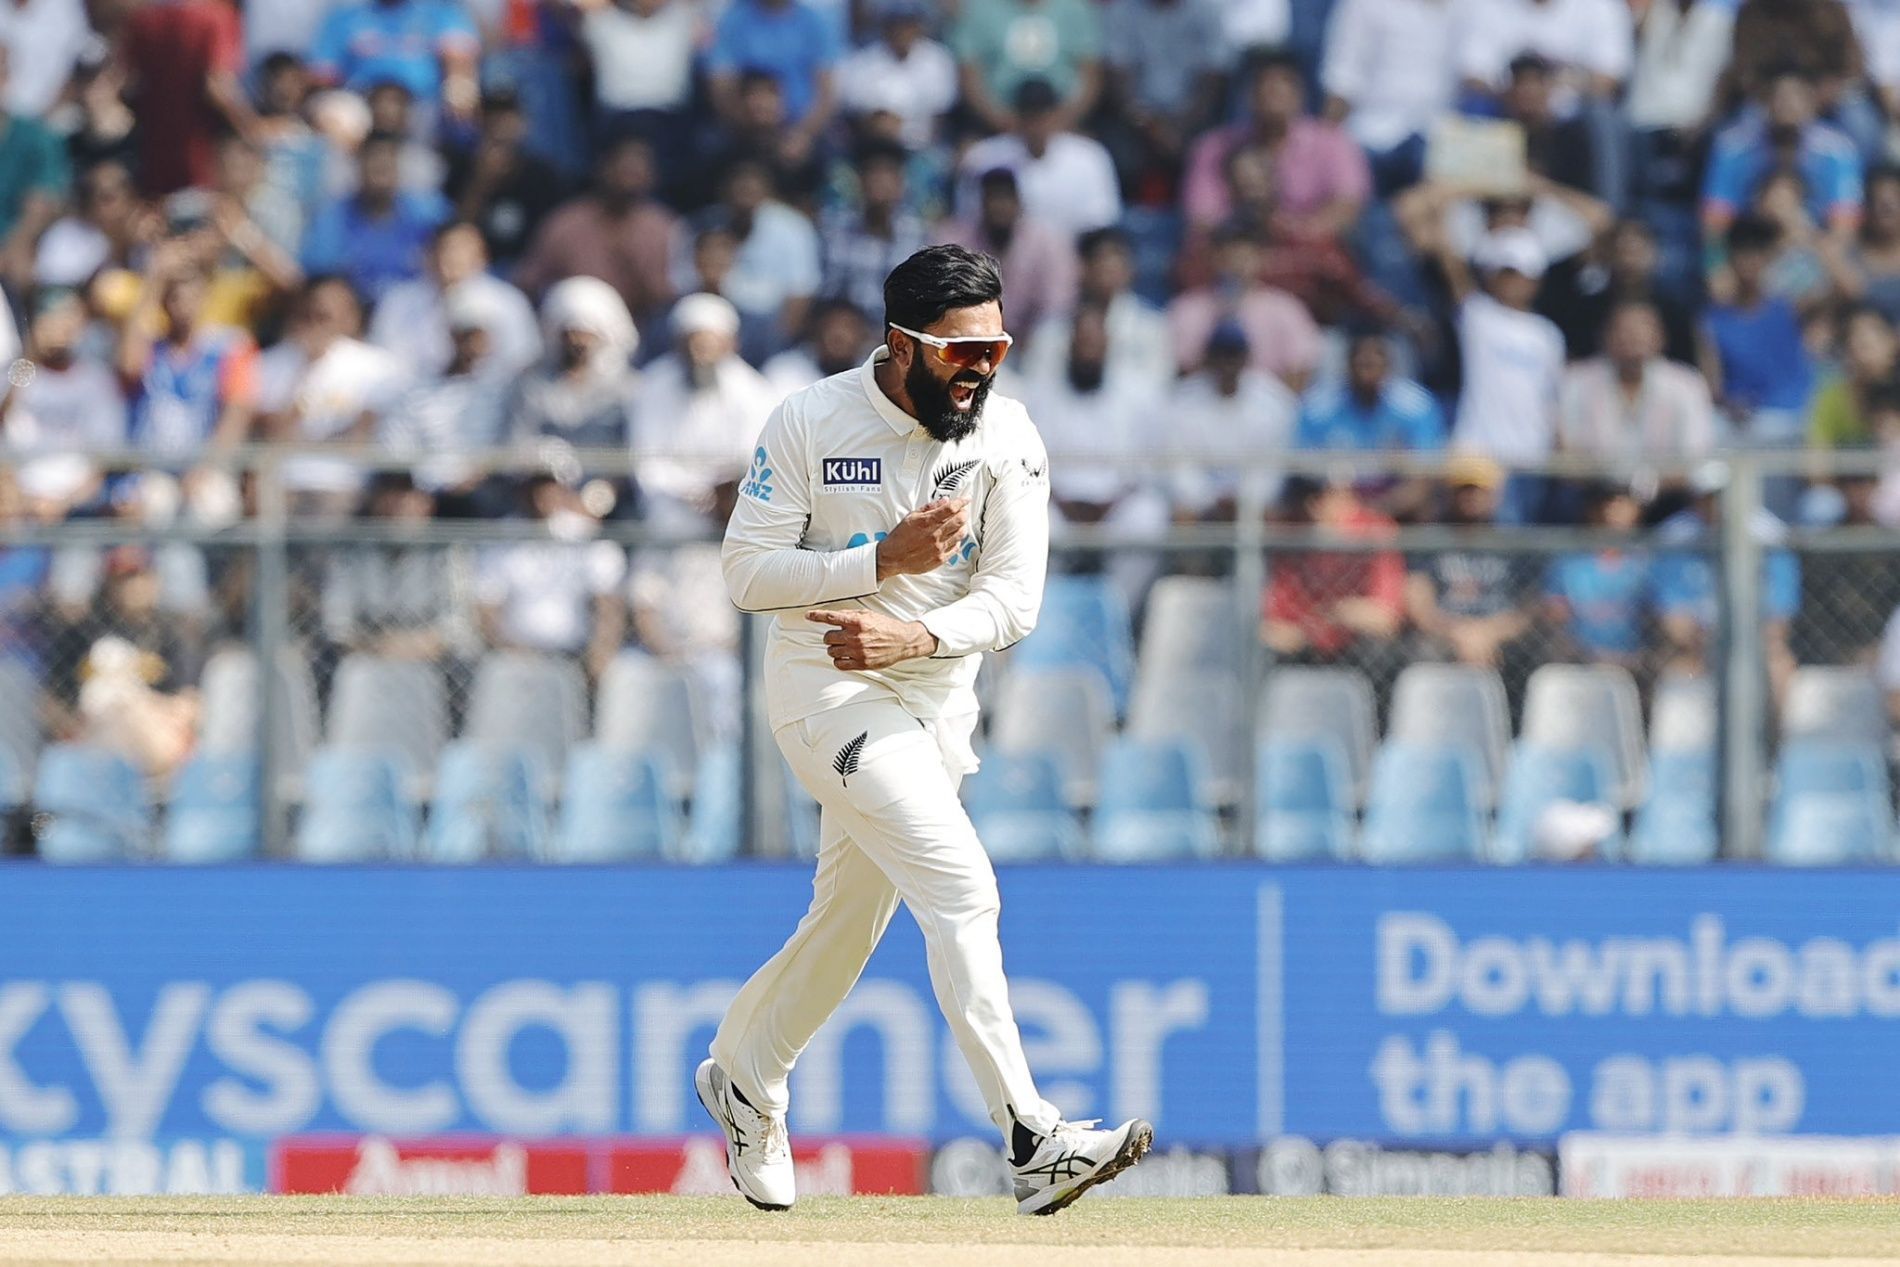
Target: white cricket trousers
(891, 827)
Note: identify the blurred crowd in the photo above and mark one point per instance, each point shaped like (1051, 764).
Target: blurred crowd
(1642, 231)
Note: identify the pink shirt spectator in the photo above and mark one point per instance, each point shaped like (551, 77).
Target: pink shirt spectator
(1316, 164)
(1280, 332)
(1039, 268)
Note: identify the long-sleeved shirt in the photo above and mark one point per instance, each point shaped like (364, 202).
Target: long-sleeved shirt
(838, 466)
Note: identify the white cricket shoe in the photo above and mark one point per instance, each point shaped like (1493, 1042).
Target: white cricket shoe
(1073, 1158)
(758, 1152)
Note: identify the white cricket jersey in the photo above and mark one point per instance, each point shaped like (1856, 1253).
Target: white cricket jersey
(837, 466)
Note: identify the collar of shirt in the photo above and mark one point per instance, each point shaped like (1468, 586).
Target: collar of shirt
(899, 421)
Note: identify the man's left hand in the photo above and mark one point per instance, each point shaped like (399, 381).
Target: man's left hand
(868, 640)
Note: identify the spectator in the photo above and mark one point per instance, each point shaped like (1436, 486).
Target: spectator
(1840, 417)
(502, 185)
(792, 42)
(1284, 340)
(1751, 347)
(1003, 44)
(248, 208)
(1682, 48)
(1872, 274)
(376, 237)
(583, 390)
(1375, 410)
(1687, 587)
(1167, 65)
(34, 177)
(1067, 180)
(183, 59)
(98, 124)
(69, 406)
(102, 230)
(396, 600)
(1632, 405)
(193, 384)
(683, 614)
(1784, 134)
(839, 341)
(44, 41)
(559, 596)
(1227, 415)
(1319, 172)
(1590, 42)
(429, 47)
(617, 233)
(715, 261)
(1138, 335)
(270, 29)
(1599, 602)
(1474, 606)
(642, 55)
(392, 110)
(411, 322)
(295, 156)
(697, 415)
(1814, 38)
(322, 385)
(759, 131)
(1038, 260)
(863, 245)
(1337, 606)
(458, 407)
(776, 272)
(902, 71)
(1389, 73)
(1580, 294)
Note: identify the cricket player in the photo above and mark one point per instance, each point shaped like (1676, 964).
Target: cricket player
(896, 519)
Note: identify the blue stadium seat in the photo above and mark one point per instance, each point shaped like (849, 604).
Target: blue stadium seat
(1084, 622)
(1816, 765)
(1676, 826)
(216, 810)
(619, 806)
(1304, 791)
(357, 808)
(714, 828)
(1150, 808)
(1819, 829)
(1423, 805)
(1536, 778)
(1015, 801)
(487, 805)
(97, 802)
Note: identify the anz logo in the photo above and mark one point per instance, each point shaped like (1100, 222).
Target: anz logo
(964, 553)
(758, 480)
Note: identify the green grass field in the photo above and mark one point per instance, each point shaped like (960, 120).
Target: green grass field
(937, 1232)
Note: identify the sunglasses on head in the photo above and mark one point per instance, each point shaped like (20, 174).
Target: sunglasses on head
(963, 353)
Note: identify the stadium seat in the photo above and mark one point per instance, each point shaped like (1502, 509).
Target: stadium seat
(1015, 800)
(1434, 705)
(1150, 808)
(216, 809)
(1194, 624)
(1683, 714)
(714, 827)
(398, 704)
(96, 802)
(1324, 704)
(1084, 622)
(1537, 778)
(645, 705)
(19, 721)
(1830, 829)
(619, 806)
(1203, 708)
(1813, 765)
(1843, 705)
(356, 808)
(1590, 708)
(487, 805)
(1676, 826)
(521, 699)
(1423, 805)
(233, 697)
(1066, 712)
(1304, 792)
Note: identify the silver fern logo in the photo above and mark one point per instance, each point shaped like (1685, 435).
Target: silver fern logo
(846, 762)
(950, 476)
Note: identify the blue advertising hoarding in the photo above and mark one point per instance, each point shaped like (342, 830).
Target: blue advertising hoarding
(1229, 1003)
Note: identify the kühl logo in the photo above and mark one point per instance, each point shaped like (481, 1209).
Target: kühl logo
(853, 472)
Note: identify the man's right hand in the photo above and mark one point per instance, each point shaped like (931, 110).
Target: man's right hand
(925, 539)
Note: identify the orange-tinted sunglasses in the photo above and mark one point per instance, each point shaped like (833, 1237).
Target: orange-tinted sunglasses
(963, 353)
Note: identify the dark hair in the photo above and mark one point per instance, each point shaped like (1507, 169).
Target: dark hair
(1036, 96)
(936, 279)
(276, 63)
(1531, 62)
(879, 149)
(1790, 69)
(1262, 60)
(1752, 233)
(998, 178)
(1883, 398)
(1881, 171)
(1092, 243)
(758, 77)
(375, 139)
(319, 281)
(832, 306)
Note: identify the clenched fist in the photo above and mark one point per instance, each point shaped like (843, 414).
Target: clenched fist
(871, 640)
(925, 539)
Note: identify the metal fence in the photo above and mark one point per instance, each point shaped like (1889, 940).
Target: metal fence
(142, 633)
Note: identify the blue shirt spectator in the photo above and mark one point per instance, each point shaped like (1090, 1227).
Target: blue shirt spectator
(1783, 131)
(1603, 599)
(379, 236)
(1686, 583)
(1755, 337)
(1372, 409)
(407, 41)
(788, 40)
(23, 573)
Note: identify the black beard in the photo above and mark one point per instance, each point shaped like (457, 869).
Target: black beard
(930, 401)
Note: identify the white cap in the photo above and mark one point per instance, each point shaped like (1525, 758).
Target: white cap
(1515, 249)
(704, 313)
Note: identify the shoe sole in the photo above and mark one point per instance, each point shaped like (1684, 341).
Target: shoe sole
(702, 1086)
(1141, 1138)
